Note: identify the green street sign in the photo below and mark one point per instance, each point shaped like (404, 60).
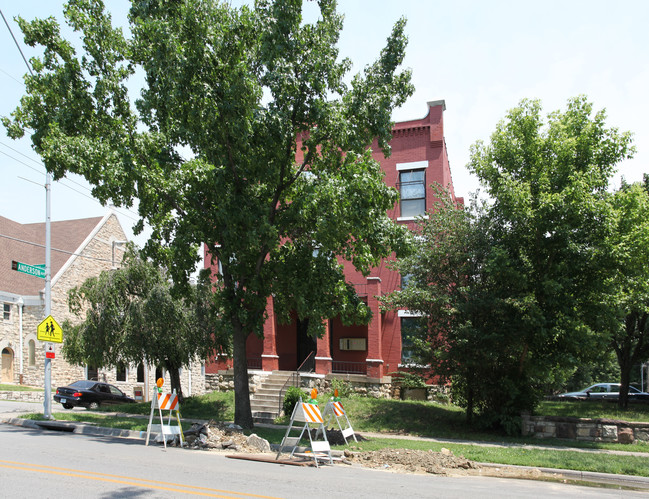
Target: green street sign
(35, 270)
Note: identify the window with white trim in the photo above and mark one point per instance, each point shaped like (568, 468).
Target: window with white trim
(412, 188)
(410, 329)
(6, 311)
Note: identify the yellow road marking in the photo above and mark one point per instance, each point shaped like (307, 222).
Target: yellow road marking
(126, 480)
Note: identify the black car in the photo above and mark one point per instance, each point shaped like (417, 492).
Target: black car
(90, 394)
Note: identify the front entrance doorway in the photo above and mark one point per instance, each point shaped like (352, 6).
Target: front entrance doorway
(306, 345)
(7, 373)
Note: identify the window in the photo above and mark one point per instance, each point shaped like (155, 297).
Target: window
(140, 373)
(32, 353)
(121, 372)
(405, 280)
(413, 192)
(6, 309)
(411, 329)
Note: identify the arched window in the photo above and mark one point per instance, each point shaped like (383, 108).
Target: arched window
(140, 373)
(32, 353)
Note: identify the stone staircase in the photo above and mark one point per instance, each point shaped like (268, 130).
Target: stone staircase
(265, 402)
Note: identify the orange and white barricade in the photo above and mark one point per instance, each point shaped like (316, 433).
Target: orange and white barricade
(165, 402)
(307, 413)
(334, 410)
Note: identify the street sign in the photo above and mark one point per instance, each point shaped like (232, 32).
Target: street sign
(35, 270)
(49, 330)
(49, 350)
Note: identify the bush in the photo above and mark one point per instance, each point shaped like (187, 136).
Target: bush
(344, 387)
(407, 379)
(292, 396)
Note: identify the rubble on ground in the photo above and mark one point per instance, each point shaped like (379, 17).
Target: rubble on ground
(226, 437)
(412, 461)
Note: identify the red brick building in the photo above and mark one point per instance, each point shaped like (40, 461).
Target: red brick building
(419, 159)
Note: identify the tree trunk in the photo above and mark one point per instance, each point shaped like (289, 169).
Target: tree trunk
(242, 411)
(174, 377)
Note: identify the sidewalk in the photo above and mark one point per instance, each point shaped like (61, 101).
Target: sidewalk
(628, 481)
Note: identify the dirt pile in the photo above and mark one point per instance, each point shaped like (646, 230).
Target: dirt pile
(412, 461)
(222, 437)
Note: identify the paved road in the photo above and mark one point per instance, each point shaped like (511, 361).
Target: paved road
(36, 463)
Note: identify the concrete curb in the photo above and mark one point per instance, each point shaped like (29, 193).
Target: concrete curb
(640, 482)
(86, 429)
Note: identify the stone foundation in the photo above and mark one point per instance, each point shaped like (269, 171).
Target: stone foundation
(584, 429)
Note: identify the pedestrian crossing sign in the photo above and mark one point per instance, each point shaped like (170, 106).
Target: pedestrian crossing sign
(49, 330)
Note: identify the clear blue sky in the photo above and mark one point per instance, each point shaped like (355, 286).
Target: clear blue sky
(481, 57)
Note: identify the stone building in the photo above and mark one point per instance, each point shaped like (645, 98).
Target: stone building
(81, 249)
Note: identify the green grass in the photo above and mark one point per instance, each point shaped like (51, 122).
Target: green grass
(425, 419)
(636, 412)
(19, 388)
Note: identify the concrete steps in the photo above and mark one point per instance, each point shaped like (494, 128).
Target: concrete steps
(265, 402)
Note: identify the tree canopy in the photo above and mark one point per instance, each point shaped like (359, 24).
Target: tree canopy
(624, 301)
(513, 285)
(245, 137)
(130, 315)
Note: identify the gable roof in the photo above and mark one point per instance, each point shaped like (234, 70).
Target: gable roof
(26, 243)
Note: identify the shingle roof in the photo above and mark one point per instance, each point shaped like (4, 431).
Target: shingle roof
(26, 243)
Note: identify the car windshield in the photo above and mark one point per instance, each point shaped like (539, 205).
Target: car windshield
(83, 384)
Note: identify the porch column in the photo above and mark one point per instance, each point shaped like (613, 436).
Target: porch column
(323, 358)
(374, 347)
(269, 357)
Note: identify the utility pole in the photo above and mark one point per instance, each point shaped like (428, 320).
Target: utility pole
(47, 403)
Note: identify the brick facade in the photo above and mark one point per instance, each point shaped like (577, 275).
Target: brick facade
(417, 145)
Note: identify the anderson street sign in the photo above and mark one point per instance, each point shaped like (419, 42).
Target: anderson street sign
(35, 270)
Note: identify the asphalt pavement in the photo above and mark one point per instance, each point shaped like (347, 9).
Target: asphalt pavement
(11, 411)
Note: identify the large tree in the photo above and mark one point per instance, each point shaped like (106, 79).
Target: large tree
(245, 137)
(625, 300)
(131, 315)
(515, 290)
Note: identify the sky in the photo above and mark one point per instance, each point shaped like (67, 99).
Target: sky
(481, 57)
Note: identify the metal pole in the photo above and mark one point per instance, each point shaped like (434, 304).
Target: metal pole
(47, 403)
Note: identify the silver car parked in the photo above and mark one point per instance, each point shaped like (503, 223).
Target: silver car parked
(604, 391)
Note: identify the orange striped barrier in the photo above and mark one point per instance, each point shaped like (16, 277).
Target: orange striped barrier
(310, 414)
(164, 402)
(168, 401)
(334, 410)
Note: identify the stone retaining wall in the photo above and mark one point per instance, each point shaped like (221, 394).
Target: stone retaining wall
(360, 385)
(585, 429)
(23, 396)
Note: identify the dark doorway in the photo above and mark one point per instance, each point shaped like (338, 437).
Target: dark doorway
(305, 346)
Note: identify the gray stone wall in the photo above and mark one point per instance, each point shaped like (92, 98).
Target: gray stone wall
(584, 429)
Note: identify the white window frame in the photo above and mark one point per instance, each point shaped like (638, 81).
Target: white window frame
(412, 166)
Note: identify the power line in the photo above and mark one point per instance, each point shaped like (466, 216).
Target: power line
(55, 249)
(60, 182)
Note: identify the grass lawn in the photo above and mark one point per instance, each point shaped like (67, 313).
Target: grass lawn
(19, 388)
(425, 419)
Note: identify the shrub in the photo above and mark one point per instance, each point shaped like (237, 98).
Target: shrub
(292, 396)
(407, 379)
(344, 387)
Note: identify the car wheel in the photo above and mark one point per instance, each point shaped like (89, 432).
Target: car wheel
(67, 406)
(93, 405)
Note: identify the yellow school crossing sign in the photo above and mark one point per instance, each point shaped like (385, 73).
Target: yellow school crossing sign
(49, 330)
